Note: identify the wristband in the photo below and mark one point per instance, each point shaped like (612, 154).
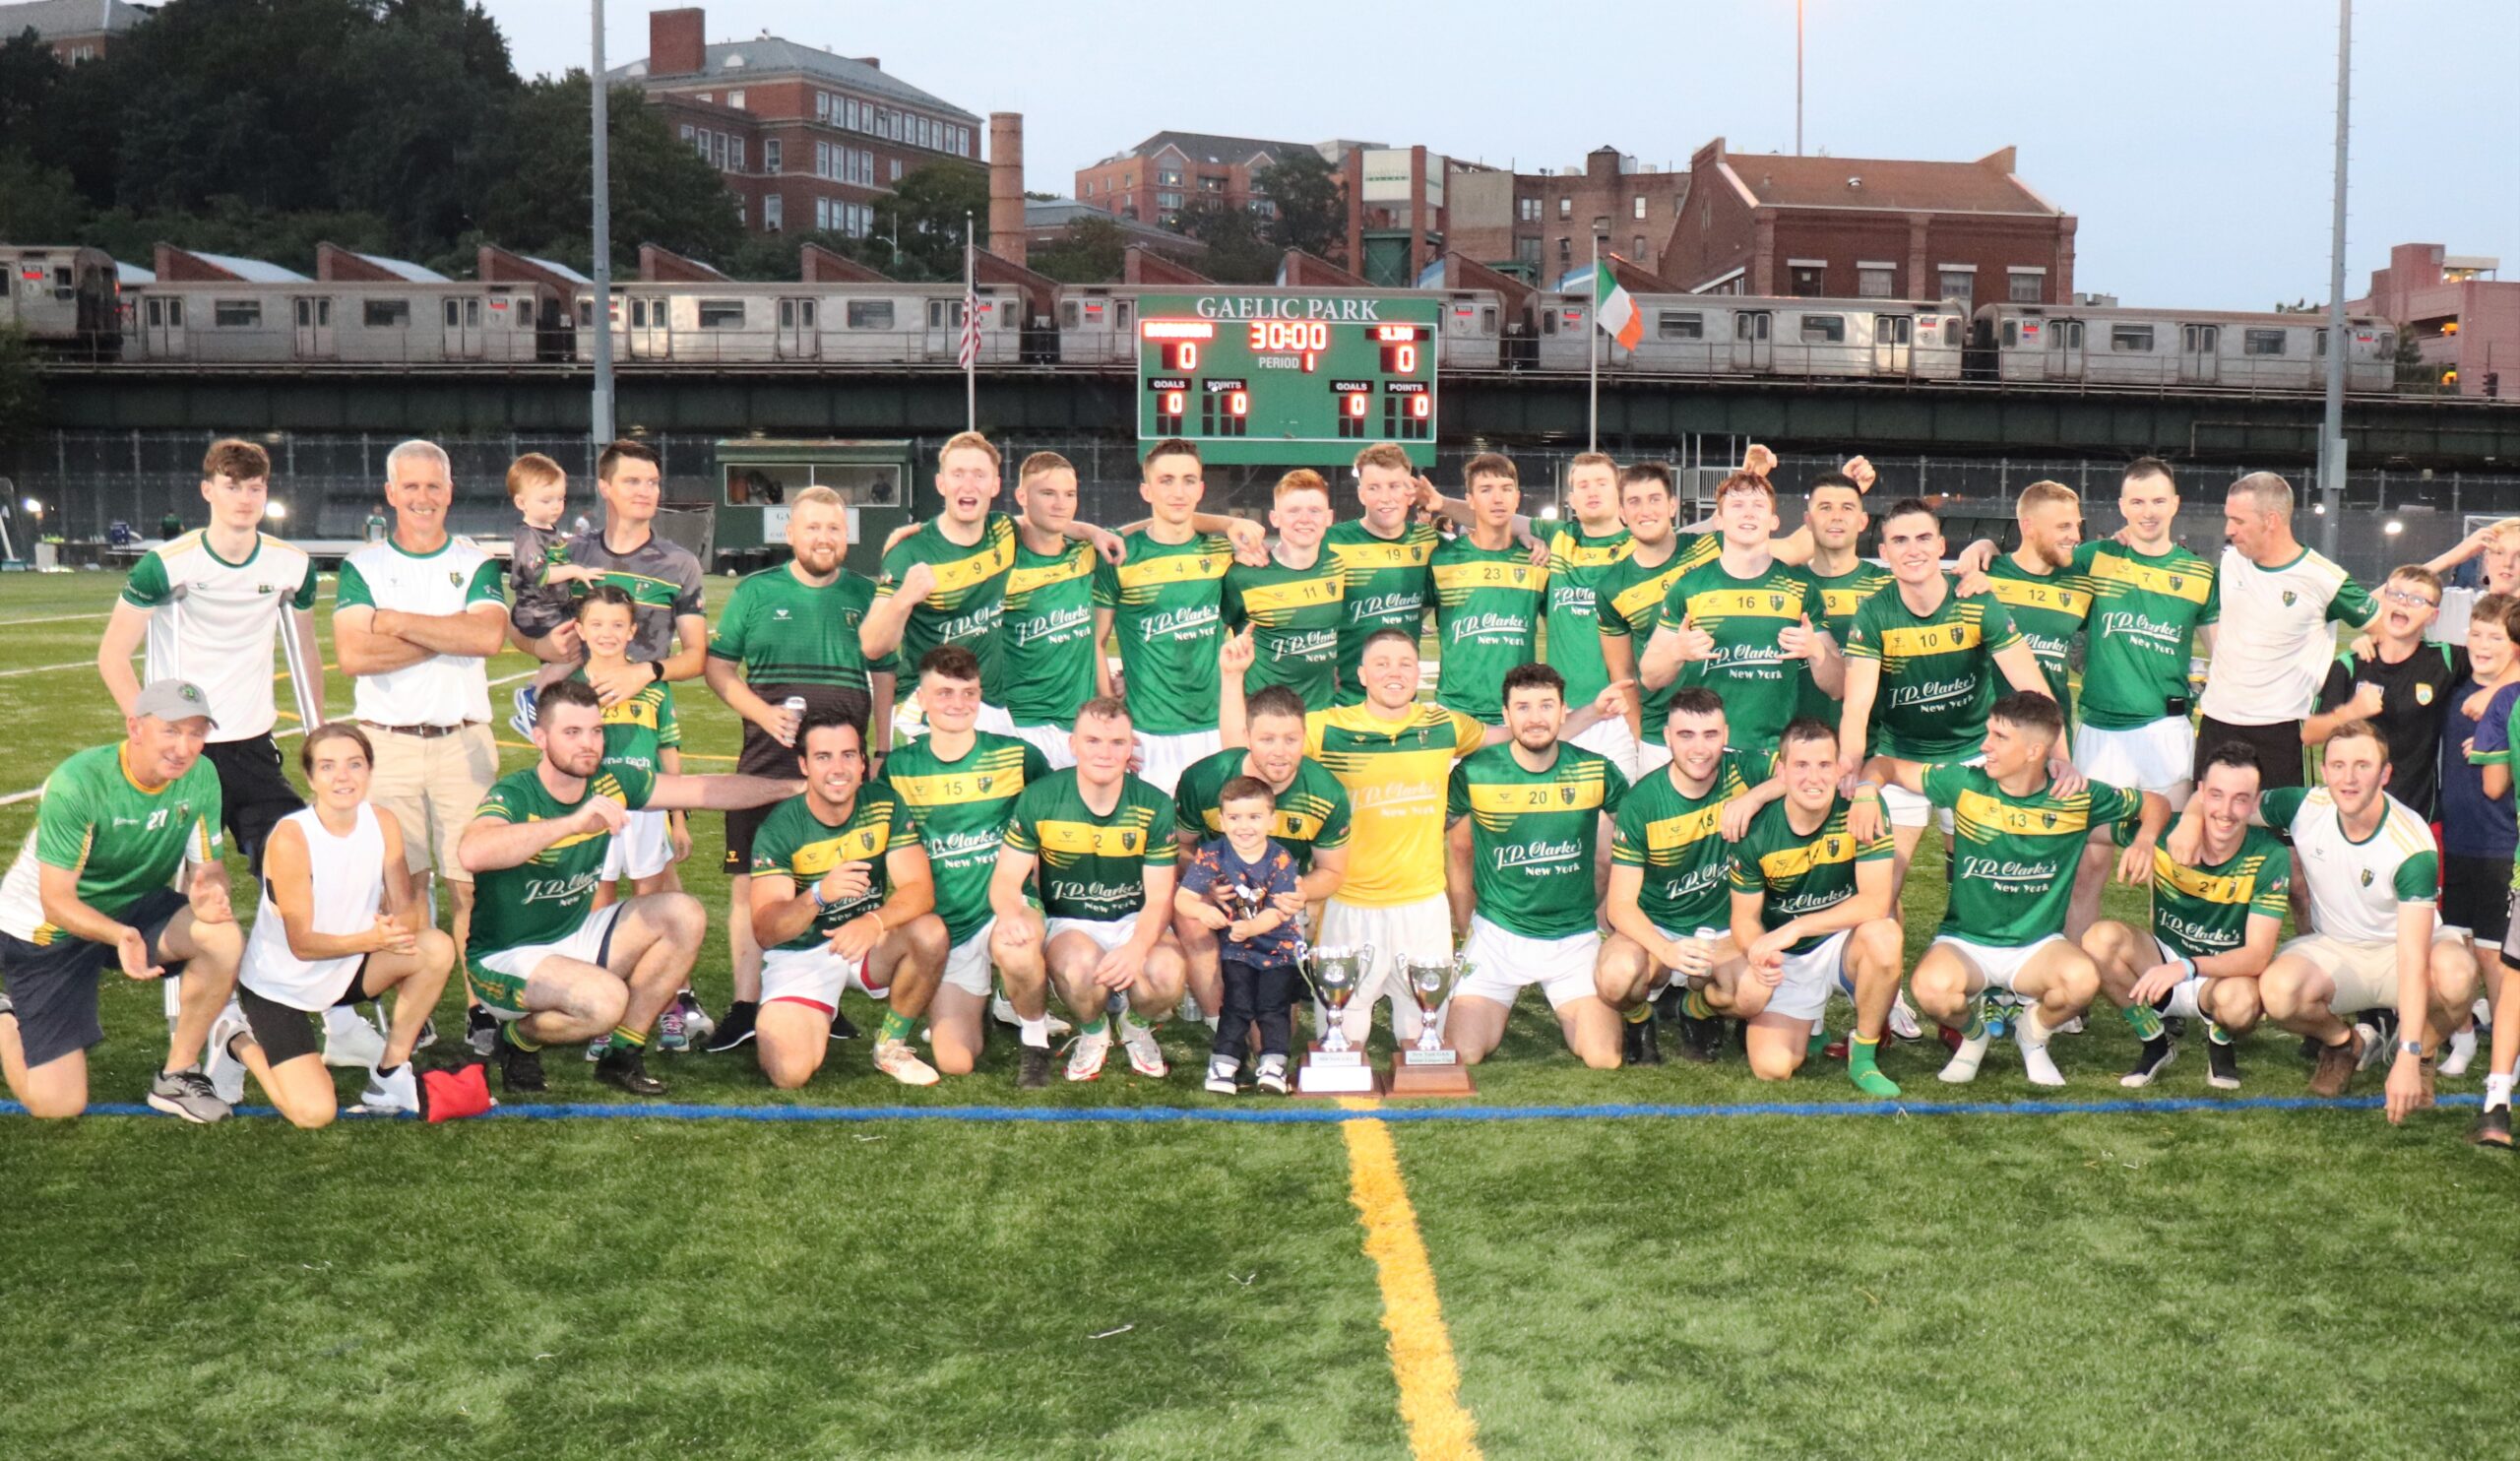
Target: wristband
(814, 890)
(877, 914)
(658, 667)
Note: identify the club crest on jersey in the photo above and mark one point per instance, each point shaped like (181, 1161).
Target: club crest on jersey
(2176, 583)
(2048, 817)
(1566, 795)
(1834, 845)
(455, 577)
(2367, 877)
(1128, 842)
(2288, 596)
(985, 781)
(1777, 603)
(2424, 694)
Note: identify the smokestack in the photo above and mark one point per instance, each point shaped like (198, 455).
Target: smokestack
(1006, 185)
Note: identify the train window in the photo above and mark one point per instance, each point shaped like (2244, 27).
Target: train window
(174, 314)
(870, 314)
(1487, 320)
(2262, 341)
(236, 314)
(945, 314)
(2199, 340)
(2012, 334)
(2131, 340)
(395, 314)
(1751, 324)
(2318, 343)
(721, 314)
(1071, 316)
(2065, 335)
(1679, 324)
(2385, 346)
(638, 314)
(1824, 329)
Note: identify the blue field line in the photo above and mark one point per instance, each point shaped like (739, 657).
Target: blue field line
(1313, 1116)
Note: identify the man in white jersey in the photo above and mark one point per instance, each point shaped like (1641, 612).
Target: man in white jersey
(414, 618)
(2263, 682)
(2374, 877)
(211, 604)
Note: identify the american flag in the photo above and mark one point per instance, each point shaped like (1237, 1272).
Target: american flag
(970, 350)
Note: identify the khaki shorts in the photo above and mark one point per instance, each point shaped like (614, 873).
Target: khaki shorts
(433, 785)
(2365, 974)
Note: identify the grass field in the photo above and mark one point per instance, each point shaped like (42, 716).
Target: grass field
(1749, 1270)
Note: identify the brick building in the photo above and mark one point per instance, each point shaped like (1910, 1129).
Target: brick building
(806, 140)
(1154, 181)
(1537, 225)
(76, 29)
(2458, 315)
(1768, 224)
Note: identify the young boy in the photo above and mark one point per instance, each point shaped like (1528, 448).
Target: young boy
(2478, 831)
(1239, 886)
(538, 570)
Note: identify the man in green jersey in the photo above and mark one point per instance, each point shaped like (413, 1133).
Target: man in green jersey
(842, 894)
(1488, 596)
(93, 889)
(2018, 844)
(1164, 603)
(1669, 904)
(2038, 587)
(789, 633)
(1310, 818)
(1923, 665)
(1296, 601)
(547, 964)
(1582, 555)
(1051, 665)
(1628, 599)
(1742, 624)
(1527, 820)
(960, 784)
(1094, 844)
(1384, 557)
(2214, 928)
(1812, 912)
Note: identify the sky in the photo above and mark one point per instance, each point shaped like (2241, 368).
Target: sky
(2194, 138)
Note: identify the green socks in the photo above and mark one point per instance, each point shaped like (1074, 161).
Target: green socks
(1977, 1027)
(1643, 1014)
(2146, 1022)
(897, 1027)
(1694, 1005)
(1862, 1054)
(626, 1041)
(1092, 1027)
(513, 1032)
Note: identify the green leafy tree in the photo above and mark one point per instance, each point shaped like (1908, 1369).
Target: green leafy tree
(663, 192)
(1087, 251)
(920, 224)
(1241, 251)
(1311, 207)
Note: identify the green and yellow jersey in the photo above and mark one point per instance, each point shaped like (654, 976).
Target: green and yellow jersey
(2048, 609)
(543, 899)
(796, 843)
(1167, 603)
(1676, 842)
(2201, 912)
(1093, 864)
(1488, 613)
(2014, 858)
(1388, 586)
(967, 602)
(1578, 564)
(1295, 616)
(1312, 814)
(1048, 629)
(1535, 836)
(2145, 612)
(1762, 686)
(961, 808)
(1395, 773)
(1798, 873)
(1938, 673)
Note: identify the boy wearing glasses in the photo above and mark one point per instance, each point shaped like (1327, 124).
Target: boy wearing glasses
(2404, 685)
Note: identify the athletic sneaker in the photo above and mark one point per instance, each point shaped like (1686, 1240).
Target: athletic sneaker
(2221, 1065)
(480, 1031)
(672, 1037)
(351, 1040)
(627, 1070)
(2337, 1064)
(902, 1063)
(187, 1094)
(1220, 1073)
(1701, 1040)
(521, 1071)
(695, 1020)
(428, 1034)
(227, 1074)
(1903, 1020)
(398, 1094)
(735, 1029)
(2463, 1048)
(2374, 1034)
(1146, 1058)
(1638, 1045)
(1966, 1058)
(597, 1046)
(521, 712)
(842, 1027)
(1002, 1010)
(1033, 1068)
(2492, 1129)
(1085, 1054)
(2156, 1057)
(1273, 1074)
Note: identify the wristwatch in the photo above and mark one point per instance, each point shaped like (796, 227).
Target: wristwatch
(2413, 1048)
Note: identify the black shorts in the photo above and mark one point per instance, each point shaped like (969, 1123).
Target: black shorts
(2278, 747)
(285, 1032)
(2476, 895)
(54, 985)
(762, 757)
(254, 793)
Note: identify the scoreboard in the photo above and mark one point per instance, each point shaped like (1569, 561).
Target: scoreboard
(1288, 378)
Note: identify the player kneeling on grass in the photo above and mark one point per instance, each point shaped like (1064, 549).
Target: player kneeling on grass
(1243, 889)
(1102, 842)
(340, 921)
(2214, 924)
(1528, 820)
(843, 899)
(2373, 876)
(1812, 912)
(2017, 846)
(1670, 903)
(91, 891)
(546, 963)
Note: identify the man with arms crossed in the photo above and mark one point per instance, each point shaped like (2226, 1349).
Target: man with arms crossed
(2017, 847)
(1582, 556)
(547, 964)
(1102, 842)
(2214, 928)
(1628, 599)
(1527, 822)
(92, 890)
(1384, 555)
(1740, 625)
(841, 894)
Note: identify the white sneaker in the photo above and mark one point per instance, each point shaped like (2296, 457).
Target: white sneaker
(2373, 1053)
(1273, 1074)
(1903, 1020)
(398, 1094)
(2035, 1062)
(1146, 1058)
(2463, 1048)
(351, 1040)
(902, 1063)
(1002, 1010)
(1085, 1054)
(1221, 1076)
(227, 1073)
(1962, 1067)
(2073, 1025)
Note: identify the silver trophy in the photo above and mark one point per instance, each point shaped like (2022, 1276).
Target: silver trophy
(1336, 1066)
(1429, 981)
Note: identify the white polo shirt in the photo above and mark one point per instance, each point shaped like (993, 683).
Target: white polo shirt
(442, 689)
(2356, 887)
(2274, 647)
(214, 622)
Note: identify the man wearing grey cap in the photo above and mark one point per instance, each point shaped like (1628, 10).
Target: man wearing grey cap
(92, 890)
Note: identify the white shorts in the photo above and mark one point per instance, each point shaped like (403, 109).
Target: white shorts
(967, 963)
(1050, 740)
(1503, 964)
(1804, 992)
(1614, 739)
(1906, 809)
(2365, 974)
(1163, 758)
(2147, 758)
(816, 975)
(643, 848)
(1422, 931)
(588, 943)
(1652, 755)
(1107, 933)
(993, 718)
(1999, 966)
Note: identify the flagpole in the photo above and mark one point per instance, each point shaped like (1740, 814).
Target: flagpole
(971, 361)
(1593, 356)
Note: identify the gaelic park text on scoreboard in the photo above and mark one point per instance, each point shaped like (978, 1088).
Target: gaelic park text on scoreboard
(1289, 378)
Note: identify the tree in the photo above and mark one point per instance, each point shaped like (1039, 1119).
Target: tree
(919, 226)
(1087, 251)
(663, 192)
(1240, 250)
(1311, 207)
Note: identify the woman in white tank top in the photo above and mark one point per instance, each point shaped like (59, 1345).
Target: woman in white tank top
(339, 922)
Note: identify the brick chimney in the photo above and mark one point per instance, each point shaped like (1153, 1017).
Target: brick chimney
(1006, 185)
(677, 40)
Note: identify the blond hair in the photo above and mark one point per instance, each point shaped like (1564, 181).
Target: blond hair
(1043, 462)
(2040, 494)
(1302, 479)
(532, 469)
(970, 441)
(1384, 455)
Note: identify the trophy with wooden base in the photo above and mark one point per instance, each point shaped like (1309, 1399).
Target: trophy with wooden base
(1430, 1067)
(1333, 1066)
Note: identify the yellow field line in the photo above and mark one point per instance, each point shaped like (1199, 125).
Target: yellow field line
(1422, 1348)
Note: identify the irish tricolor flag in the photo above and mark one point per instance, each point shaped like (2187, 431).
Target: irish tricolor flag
(1614, 309)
